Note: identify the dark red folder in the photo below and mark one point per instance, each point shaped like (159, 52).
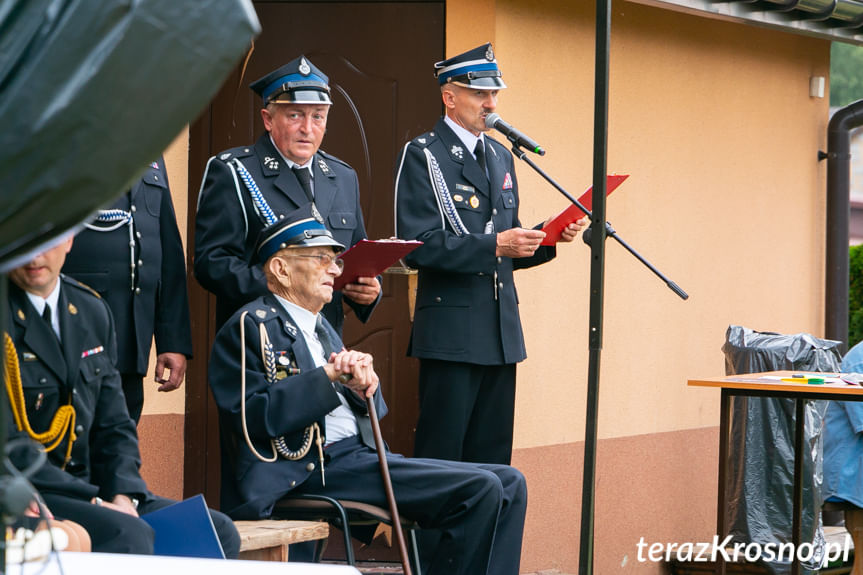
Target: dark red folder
(368, 258)
(573, 213)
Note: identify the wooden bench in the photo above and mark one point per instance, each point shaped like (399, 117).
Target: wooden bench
(268, 539)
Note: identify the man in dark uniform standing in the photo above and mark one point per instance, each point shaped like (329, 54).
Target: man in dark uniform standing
(456, 191)
(276, 372)
(247, 188)
(67, 396)
(132, 255)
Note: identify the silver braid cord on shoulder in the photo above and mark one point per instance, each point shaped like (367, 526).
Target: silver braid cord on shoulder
(278, 444)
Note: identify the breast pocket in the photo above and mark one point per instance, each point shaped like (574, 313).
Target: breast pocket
(342, 221)
(466, 199)
(94, 369)
(41, 392)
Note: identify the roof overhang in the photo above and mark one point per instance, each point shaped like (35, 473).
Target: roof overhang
(835, 20)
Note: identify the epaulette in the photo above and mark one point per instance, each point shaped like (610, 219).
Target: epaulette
(424, 140)
(80, 285)
(240, 152)
(334, 159)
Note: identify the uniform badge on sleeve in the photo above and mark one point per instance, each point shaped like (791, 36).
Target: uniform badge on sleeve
(507, 182)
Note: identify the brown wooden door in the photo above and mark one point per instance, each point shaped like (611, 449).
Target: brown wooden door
(379, 59)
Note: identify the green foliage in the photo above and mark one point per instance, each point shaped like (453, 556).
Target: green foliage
(846, 74)
(855, 295)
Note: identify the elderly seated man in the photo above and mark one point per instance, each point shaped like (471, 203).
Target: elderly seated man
(294, 418)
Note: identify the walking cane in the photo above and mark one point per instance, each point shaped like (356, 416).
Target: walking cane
(388, 486)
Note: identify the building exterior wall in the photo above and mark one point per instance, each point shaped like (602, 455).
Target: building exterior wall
(161, 428)
(714, 123)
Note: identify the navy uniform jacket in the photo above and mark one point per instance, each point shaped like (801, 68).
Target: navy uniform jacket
(250, 487)
(105, 458)
(457, 317)
(227, 224)
(159, 304)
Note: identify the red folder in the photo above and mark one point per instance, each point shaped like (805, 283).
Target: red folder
(573, 213)
(368, 258)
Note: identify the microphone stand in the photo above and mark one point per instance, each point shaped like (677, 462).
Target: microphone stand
(597, 289)
(609, 231)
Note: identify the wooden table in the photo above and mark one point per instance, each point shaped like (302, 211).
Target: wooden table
(769, 384)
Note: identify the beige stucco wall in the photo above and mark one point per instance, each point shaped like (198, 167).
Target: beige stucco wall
(714, 123)
(177, 164)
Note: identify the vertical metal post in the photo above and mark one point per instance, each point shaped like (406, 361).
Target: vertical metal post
(597, 278)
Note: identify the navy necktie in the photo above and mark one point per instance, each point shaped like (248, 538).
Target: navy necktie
(305, 179)
(479, 152)
(363, 422)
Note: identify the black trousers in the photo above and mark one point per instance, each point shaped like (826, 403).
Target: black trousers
(478, 508)
(115, 532)
(133, 389)
(466, 411)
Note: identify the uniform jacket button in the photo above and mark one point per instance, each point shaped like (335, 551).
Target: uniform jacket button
(494, 211)
(310, 466)
(499, 260)
(97, 371)
(43, 380)
(133, 209)
(293, 483)
(437, 299)
(79, 429)
(137, 291)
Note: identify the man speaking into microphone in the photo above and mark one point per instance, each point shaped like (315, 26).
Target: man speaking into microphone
(456, 191)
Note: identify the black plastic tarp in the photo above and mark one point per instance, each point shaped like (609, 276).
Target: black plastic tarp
(93, 91)
(761, 466)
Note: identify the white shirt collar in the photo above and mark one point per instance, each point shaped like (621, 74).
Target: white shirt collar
(52, 299)
(468, 139)
(305, 319)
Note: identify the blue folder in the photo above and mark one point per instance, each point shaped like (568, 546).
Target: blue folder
(185, 529)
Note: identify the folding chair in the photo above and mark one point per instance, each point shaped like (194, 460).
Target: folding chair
(343, 514)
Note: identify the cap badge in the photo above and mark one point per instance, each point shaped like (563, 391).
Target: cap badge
(507, 182)
(489, 54)
(474, 202)
(261, 313)
(457, 151)
(323, 166)
(305, 70)
(316, 214)
(72, 309)
(271, 163)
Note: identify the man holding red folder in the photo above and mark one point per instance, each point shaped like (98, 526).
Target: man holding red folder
(250, 187)
(456, 191)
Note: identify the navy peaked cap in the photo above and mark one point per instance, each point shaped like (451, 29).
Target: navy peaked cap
(475, 68)
(297, 82)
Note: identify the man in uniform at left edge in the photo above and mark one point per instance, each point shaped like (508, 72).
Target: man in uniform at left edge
(247, 188)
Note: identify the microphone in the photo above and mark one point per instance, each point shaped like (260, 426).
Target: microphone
(495, 121)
